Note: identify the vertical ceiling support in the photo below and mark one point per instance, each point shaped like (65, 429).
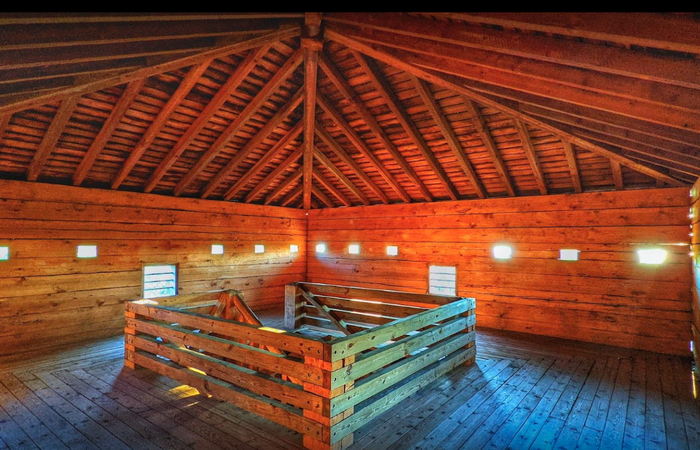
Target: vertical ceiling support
(483, 131)
(154, 128)
(312, 43)
(529, 150)
(617, 174)
(450, 136)
(51, 137)
(573, 166)
(130, 92)
(4, 123)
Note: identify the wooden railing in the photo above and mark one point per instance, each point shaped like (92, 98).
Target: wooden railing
(375, 348)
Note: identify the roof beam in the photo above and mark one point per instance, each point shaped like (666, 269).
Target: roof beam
(483, 132)
(459, 88)
(330, 188)
(130, 92)
(664, 31)
(262, 162)
(682, 118)
(361, 147)
(311, 43)
(244, 116)
(145, 72)
(285, 183)
(321, 196)
(386, 92)
(450, 136)
(531, 154)
(324, 160)
(290, 197)
(224, 92)
(276, 172)
(252, 144)
(154, 128)
(348, 160)
(48, 142)
(609, 59)
(573, 166)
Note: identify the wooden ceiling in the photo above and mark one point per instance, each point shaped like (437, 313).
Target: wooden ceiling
(339, 109)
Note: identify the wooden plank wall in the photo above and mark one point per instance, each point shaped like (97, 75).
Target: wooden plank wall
(49, 297)
(605, 297)
(695, 252)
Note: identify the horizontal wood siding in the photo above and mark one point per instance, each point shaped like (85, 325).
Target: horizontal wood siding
(49, 297)
(605, 297)
(695, 252)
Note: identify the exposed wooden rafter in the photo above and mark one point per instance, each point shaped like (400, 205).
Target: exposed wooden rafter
(573, 166)
(331, 188)
(529, 150)
(130, 92)
(456, 86)
(51, 137)
(328, 164)
(290, 180)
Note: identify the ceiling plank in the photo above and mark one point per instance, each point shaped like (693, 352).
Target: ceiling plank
(330, 188)
(609, 59)
(348, 160)
(531, 154)
(386, 92)
(48, 141)
(284, 184)
(253, 143)
(244, 116)
(361, 147)
(325, 161)
(664, 31)
(287, 139)
(617, 174)
(383, 91)
(224, 92)
(51, 18)
(168, 66)
(154, 128)
(450, 136)
(573, 166)
(130, 92)
(276, 172)
(528, 71)
(447, 83)
(483, 131)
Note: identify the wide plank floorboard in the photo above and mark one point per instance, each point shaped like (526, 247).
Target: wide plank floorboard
(523, 392)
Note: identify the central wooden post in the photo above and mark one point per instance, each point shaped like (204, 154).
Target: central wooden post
(312, 44)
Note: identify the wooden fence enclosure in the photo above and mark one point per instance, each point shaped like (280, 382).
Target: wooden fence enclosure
(348, 354)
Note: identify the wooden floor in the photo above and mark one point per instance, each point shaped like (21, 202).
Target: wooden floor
(523, 392)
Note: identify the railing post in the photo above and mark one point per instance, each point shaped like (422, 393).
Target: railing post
(292, 307)
(129, 348)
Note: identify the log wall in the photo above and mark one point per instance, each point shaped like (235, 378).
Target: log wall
(49, 297)
(695, 252)
(605, 297)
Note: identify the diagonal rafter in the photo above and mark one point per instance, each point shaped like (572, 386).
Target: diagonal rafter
(276, 172)
(292, 195)
(450, 136)
(262, 162)
(330, 188)
(483, 132)
(323, 159)
(573, 166)
(123, 104)
(529, 150)
(360, 145)
(323, 198)
(386, 92)
(456, 85)
(290, 180)
(154, 128)
(347, 159)
(48, 142)
(217, 101)
(234, 127)
(156, 69)
(253, 143)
